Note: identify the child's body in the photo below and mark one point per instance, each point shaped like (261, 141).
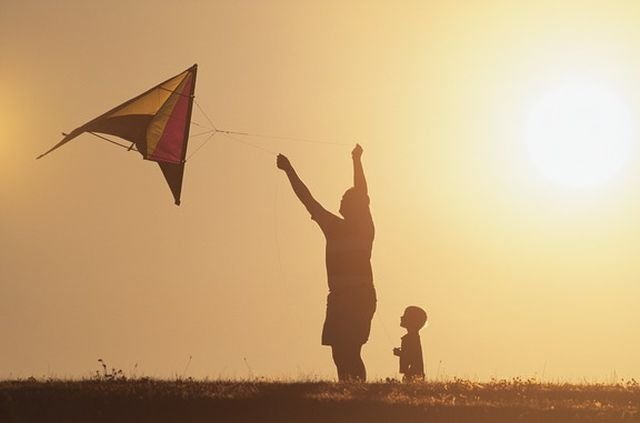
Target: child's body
(410, 351)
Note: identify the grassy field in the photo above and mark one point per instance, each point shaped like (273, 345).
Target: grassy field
(148, 400)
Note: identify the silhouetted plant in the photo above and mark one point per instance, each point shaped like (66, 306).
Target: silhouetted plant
(109, 375)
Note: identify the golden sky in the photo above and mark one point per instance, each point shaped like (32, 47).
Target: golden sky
(520, 276)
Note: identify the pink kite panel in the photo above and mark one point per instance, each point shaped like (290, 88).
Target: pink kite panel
(172, 141)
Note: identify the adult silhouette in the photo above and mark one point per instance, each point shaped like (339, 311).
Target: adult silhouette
(351, 302)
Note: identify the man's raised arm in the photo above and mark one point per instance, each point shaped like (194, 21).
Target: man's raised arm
(359, 181)
(300, 189)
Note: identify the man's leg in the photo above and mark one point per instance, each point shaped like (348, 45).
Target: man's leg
(339, 355)
(357, 369)
(349, 363)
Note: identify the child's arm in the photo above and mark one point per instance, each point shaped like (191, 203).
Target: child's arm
(400, 352)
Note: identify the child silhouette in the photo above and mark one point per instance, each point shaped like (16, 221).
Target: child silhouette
(410, 350)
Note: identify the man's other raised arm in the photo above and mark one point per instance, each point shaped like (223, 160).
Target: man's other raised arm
(359, 181)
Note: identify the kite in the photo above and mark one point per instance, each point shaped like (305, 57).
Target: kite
(156, 122)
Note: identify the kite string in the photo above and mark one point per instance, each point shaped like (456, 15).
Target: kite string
(249, 134)
(211, 135)
(307, 140)
(205, 115)
(258, 147)
(199, 134)
(229, 134)
(275, 232)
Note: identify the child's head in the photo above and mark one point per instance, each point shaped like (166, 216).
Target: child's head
(413, 319)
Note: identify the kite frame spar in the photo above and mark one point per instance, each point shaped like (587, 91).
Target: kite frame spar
(154, 133)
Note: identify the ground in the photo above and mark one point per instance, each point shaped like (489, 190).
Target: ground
(115, 399)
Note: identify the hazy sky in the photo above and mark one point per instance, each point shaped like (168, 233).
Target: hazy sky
(519, 275)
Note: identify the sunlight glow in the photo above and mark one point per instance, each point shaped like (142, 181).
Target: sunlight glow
(579, 135)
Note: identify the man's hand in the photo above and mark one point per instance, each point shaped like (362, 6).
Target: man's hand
(283, 163)
(357, 152)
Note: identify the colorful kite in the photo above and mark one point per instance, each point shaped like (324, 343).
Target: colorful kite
(156, 122)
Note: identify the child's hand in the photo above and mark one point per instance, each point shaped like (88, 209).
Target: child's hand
(397, 351)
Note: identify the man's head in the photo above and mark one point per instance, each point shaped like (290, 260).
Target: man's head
(352, 203)
(413, 319)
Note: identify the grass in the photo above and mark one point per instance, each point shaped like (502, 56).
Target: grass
(147, 400)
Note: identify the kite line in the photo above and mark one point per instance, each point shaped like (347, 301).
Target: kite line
(232, 135)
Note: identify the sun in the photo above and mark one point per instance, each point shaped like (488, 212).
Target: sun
(579, 135)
